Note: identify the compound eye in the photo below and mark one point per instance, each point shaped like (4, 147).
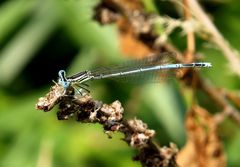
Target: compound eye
(62, 75)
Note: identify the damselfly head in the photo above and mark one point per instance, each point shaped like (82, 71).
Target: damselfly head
(62, 80)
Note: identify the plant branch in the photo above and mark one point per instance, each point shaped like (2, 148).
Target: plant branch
(86, 110)
(231, 54)
(220, 98)
(190, 33)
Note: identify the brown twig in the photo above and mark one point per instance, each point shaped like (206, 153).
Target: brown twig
(190, 33)
(86, 110)
(231, 54)
(219, 97)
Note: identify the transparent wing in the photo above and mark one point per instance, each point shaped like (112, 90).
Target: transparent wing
(140, 77)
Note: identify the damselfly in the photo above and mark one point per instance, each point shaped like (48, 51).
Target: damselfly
(160, 66)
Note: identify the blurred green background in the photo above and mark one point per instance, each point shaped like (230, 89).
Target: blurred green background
(38, 38)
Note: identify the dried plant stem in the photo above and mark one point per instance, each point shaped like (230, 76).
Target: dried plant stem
(217, 96)
(190, 33)
(86, 110)
(230, 54)
(221, 100)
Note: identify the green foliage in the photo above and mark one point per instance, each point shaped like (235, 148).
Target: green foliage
(32, 138)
